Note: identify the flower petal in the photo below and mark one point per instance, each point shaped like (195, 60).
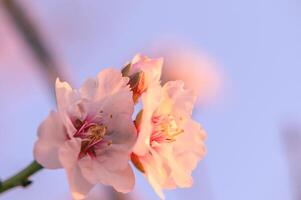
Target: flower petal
(150, 100)
(79, 186)
(51, 135)
(155, 171)
(88, 89)
(97, 192)
(108, 81)
(182, 99)
(121, 131)
(65, 95)
(151, 67)
(116, 113)
(68, 155)
(122, 180)
(116, 154)
(69, 151)
(189, 148)
(120, 103)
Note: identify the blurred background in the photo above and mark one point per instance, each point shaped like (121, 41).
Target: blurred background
(242, 57)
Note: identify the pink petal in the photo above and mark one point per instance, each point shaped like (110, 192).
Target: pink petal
(155, 185)
(65, 95)
(51, 135)
(116, 154)
(182, 99)
(111, 81)
(79, 186)
(151, 67)
(70, 129)
(180, 173)
(97, 192)
(89, 88)
(68, 155)
(122, 180)
(120, 103)
(150, 100)
(69, 151)
(108, 81)
(155, 172)
(189, 148)
(123, 131)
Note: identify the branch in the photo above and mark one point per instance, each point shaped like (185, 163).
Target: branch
(33, 38)
(21, 178)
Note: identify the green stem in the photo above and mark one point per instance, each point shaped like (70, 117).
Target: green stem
(21, 178)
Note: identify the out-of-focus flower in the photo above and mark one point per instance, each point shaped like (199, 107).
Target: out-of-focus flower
(91, 135)
(198, 71)
(142, 71)
(169, 143)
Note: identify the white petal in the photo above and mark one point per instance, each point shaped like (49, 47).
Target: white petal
(51, 135)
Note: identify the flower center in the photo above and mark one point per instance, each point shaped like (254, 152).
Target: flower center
(165, 129)
(92, 135)
(95, 134)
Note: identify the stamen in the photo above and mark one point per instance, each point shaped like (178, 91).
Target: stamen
(165, 129)
(78, 123)
(92, 135)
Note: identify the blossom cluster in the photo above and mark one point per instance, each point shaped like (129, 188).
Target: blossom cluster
(94, 134)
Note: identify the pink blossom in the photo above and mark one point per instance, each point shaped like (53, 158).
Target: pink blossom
(149, 71)
(169, 143)
(91, 135)
(151, 67)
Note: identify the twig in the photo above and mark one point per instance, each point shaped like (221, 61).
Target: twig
(21, 178)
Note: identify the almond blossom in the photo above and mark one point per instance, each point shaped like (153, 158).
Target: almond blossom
(143, 71)
(169, 143)
(91, 134)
